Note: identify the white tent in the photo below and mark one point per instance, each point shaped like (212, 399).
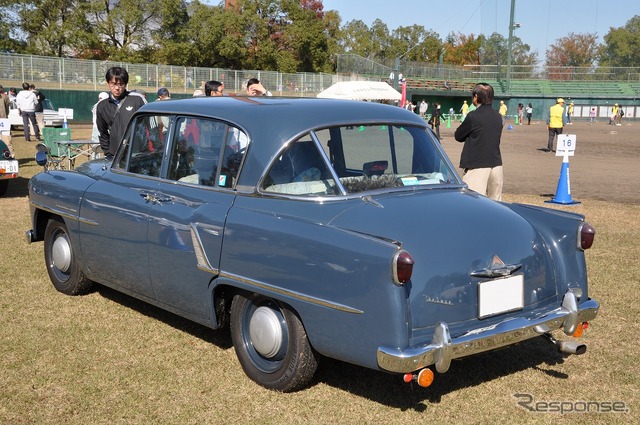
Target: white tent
(361, 90)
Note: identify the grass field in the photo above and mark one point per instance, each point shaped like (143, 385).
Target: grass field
(106, 358)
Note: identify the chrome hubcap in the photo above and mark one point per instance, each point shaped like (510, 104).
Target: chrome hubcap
(61, 254)
(265, 331)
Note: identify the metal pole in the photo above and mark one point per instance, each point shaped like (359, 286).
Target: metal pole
(510, 45)
(395, 73)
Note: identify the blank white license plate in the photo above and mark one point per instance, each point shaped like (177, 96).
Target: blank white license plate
(500, 296)
(8, 167)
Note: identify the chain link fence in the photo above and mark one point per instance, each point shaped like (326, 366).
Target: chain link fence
(79, 74)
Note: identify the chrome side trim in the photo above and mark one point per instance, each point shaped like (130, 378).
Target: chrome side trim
(64, 213)
(291, 294)
(441, 350)
(201, 256)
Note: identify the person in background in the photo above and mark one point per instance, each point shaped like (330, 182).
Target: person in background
(503, 111)
(464, 110)
(4, 103)
(163, 94)
(569, 113)
(424, 106)
(592, 116)
(213, 88)
(27, 103)
(529, 111)
(4, 113)
(555, 122)
(520, 113)
(255, 88)
(95, 134)
(614, 114)
(39, 106)
(12, 94)
(436, 117)
(113, 114)
(481, 159)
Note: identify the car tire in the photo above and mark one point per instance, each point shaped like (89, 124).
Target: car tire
(4, 185)
(271, 343)
(62, 265)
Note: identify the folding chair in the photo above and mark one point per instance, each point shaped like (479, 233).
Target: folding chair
(57, 152)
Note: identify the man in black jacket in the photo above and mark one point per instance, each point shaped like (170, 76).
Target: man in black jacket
(113, 113)
(480, 132)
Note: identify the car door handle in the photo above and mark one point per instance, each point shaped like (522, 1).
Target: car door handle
(155, 198)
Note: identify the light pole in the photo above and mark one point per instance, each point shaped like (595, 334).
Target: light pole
(396, 66)
(512, 26)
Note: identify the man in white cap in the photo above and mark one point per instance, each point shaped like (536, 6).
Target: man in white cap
(555, 122)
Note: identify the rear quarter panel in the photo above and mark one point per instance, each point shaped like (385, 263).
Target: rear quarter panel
(338, 282)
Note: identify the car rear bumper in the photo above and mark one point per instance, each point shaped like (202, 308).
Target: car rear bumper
(442, 348)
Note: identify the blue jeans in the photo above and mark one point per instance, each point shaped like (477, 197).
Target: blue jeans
(26, 117)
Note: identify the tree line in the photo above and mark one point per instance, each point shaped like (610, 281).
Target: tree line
(285, 35)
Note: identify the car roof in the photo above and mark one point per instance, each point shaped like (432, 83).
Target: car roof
(272, 121)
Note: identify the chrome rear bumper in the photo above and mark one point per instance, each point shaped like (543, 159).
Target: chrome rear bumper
(443, 348)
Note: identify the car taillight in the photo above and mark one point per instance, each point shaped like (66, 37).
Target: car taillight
(402, 267)
(586, 235)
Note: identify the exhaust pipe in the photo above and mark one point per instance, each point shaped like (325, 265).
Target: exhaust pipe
(568, 347)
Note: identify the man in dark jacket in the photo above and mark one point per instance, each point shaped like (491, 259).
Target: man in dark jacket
(480, 132)
(113, 113)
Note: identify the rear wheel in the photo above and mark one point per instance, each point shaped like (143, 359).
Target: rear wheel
(271, 343)
(4, 184)
(62, 265)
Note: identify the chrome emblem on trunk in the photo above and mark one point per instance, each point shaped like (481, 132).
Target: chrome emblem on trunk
(497, 269)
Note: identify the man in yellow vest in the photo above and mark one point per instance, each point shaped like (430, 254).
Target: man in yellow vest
(555, 122)
(503, 111)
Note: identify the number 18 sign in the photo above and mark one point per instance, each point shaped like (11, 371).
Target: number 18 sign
(566, 145)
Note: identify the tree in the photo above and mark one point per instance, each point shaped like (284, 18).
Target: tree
(494, 51)
(622, 45)
(304, 36)
(55, 27)
(124, 27)
(171, 40)
(356, 39)
(463, 49)
(576, 50)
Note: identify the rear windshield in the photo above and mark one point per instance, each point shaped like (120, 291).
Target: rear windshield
(356, 159)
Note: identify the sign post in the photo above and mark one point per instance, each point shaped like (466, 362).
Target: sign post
(565, 148)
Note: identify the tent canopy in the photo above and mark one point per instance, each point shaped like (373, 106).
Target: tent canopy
(361, 90)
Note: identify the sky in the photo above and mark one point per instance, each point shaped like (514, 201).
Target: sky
(542, 22)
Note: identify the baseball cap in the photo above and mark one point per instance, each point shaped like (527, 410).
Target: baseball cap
(162, 91)
(560, 100)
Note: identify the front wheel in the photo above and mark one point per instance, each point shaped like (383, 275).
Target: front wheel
(271, 343)
(62, 265)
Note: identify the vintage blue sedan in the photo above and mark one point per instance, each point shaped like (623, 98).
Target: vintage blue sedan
(313, 228)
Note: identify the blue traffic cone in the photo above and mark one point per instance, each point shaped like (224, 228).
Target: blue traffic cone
(563, 192)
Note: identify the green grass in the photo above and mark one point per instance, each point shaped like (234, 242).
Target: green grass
(106, 358)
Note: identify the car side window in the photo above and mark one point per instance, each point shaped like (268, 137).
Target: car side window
(300, 170)
(142, 151)
(195, 152)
